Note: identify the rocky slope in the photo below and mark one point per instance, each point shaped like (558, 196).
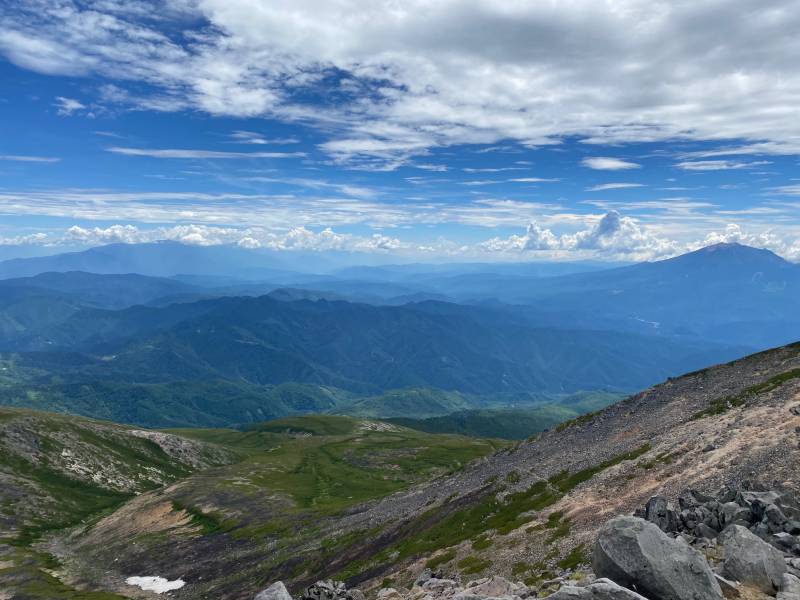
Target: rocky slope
(739, 544)
(526, 513)
(57, 471)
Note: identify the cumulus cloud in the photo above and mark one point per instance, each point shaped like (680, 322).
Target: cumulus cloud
(787, 247)
(31, 239)
(296, 238)
(613, 236)
(415, 75)
(605, 163)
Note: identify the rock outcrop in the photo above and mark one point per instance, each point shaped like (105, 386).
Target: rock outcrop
(638, 555)
(601, 589)
(709, 548)
(750, 560)
(330, 590)
(773, 517)
(790, 587)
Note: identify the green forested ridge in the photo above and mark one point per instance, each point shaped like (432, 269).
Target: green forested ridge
(510, 423)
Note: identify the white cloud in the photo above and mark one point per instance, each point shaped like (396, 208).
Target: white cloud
(612, 237)
(127, 234)
(251, 137)
(31, 239)
(297, 238)
(613, 186)
(605, 163)
(34, 159)
(201, 154)
(480, 182)
(431, 167)
(456, 72)
(779, 148)
(533, 180)
(492, 169)
(787, 247)
(719, 165)
(315, 184)
(787, 190)
(68, 106)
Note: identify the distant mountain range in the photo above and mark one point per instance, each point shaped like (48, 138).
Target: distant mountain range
(358, 347)
(727, 293)
(472, 329)
(225, 264)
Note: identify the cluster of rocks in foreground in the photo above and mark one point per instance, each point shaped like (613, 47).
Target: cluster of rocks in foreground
(740, 544)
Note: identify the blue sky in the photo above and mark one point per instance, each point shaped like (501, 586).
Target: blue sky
(617, 130)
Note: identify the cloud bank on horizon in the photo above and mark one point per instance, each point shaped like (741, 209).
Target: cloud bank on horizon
(623, 129)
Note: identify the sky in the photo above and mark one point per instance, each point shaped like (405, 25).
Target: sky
(436, 130)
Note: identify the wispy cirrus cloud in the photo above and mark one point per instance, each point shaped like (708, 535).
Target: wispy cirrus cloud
(68, 106)
(201, 154)
(719, 165)
(480, 182)
(534, 180)
(257, 139)
(28, 158)
(605, 163)
(613, 186)
(785, 190)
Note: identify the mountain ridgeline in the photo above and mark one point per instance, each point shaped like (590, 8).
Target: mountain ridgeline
(246, 343)
(171, 349)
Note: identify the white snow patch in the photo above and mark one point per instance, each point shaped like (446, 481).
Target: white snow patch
(159, 585)
(377, 426)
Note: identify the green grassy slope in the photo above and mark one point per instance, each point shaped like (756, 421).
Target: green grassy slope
(329, 463)
(59, 471)
(273, 509)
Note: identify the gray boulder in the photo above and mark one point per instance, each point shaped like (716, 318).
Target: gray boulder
(783, 540)
(277, 591)
(731, 513)
(704, 531)
(440, 586)
(426, 575)
(638, 555)
(659, 511)
(751, 560)
(494, 587)
(790, 588)
(693, 499)
(774, 518)
(600, 589)
(757, 501)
